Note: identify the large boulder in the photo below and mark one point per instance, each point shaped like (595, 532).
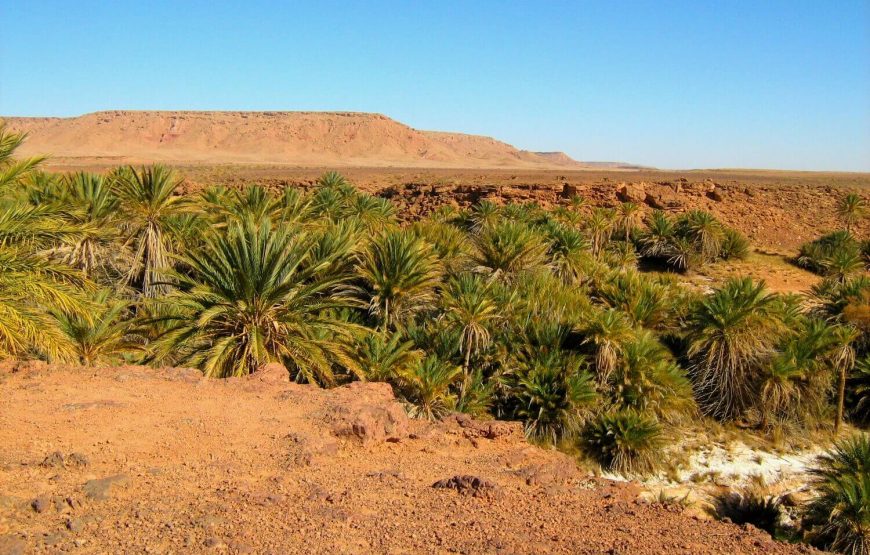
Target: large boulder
(569, 191)
(367, 412)
(664, 199)
(631, 192)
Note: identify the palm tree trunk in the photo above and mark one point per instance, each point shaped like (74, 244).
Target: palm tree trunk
(841, 398)
(467, 371)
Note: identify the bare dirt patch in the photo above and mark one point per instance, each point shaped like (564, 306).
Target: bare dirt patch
(168, 462)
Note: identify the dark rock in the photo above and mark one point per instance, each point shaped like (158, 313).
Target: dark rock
(102, 488)
(59, 460)
(54, 460)
(41, 504)
(77, 460)
(716, 194)
(569, 191)
(467, 485)
(75, 524)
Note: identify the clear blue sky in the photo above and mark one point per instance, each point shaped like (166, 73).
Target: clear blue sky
(765, 84)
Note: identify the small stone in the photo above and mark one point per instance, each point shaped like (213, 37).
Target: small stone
(467, 485)
(40, 504)
(102, 488)
(75, 524)
(214, 543)
(54, 538)
(54, 460)
(77, 460)
(12, 545)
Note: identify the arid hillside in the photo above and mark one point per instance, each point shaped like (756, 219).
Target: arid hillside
(338, 139)
(136, 460)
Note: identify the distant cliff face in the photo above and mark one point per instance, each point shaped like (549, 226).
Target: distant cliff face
(294, 138)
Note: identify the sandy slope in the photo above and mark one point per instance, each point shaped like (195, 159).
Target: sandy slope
(295, 138)
(135, 460)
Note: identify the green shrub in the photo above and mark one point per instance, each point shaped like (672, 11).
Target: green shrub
(830, 254)
(426, 387)
(838, 518)
(734, 244)
(624, 441)
(552, 394)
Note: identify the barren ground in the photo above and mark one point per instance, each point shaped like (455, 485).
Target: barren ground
(135, 460)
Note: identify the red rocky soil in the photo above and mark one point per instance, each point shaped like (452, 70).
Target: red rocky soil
(136, 460)
(777, 210)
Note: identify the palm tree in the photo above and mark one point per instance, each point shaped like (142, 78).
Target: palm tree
(94, 206)
(469, 306)
(103, 337)
(794, 386)
(334, 248)
(398, 274)
(31, 285)
(838, 518)
(252, 203)
(647, 302)
(248, 299)
(483, 214)
(38, 228)
(507, 248)
(860, 390)
(656, 242)
(449, 242)
(734, 245)
(732, 334)
(624, 441)
(552, 393)
(629, 217)
(570, 253)
(704, 231)
(373, 212)
(600, 226)
(12, 170)
(335, 180)
(149, 203)
(426, 386)
(851, 209)
(386, 357)
(843, 263)
(607, 332)
(647, 379)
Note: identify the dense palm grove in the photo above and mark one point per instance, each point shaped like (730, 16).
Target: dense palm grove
(515, 312)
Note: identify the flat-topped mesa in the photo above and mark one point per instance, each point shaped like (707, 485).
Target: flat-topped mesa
(273, 137)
